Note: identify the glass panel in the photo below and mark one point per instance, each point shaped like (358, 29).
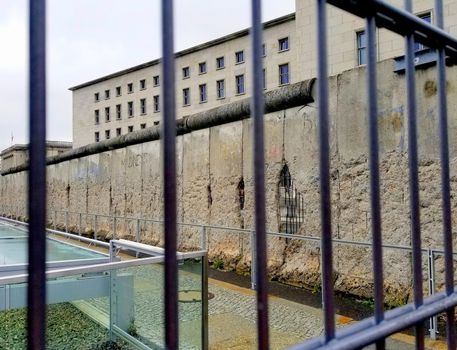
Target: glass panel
(91, 310)
(146, 321)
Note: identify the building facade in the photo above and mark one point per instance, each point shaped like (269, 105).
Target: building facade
(18, 154)
(218, 72)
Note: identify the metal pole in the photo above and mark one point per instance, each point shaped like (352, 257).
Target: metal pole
(114, 227)
(137, 234)
(431, 291)
(66, 221)
(36, 291)
(203, 237)
(168, 136)
(204, 282)
(95, 226)
(253, 262)
(80, 224)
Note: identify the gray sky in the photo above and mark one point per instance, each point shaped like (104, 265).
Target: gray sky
(90, 38)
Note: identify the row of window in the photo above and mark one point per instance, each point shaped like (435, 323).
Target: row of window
(283, 45)
(361, 37)
(118, 131)
(130, 109)
(203, 95)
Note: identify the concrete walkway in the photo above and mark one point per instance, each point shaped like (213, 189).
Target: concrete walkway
(232, 315)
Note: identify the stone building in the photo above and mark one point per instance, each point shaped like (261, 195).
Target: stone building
(18, 154)
(218, 71)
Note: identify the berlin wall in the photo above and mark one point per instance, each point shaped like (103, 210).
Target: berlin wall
(213, 161)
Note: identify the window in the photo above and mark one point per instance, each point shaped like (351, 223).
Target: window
(186, 97)
(283, 44)
(143, 106)
(97, 97)
(142, 84)
(239, 80)
(97, 116)
(107, 116)
(284, 74)
(264, 78)
(156, 103)
(118, 132)
(106, 94)
(107, 134)
(130, 108)
(143, 126)
(130, 128)
(427, 17)
(97, 136)
(202, 68)
(130, 88)
(264, 50)
(156, 80)
(118, 112)
(220, 62)
(118, 91)
(361, 47)
(220, 86)
(185, 72)
(239, 57)
(202, 89)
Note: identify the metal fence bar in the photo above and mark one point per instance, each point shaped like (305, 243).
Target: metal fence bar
(257, 111)
(169, 176)
(36, 291)
(414, 178)
(375, 201)
(324, 172)
(445, 182)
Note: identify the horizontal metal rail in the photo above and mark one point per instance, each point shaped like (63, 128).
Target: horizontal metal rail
(234, 229)
(101, 267)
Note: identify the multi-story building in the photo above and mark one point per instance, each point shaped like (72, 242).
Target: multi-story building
(18, 154)
(219, 72)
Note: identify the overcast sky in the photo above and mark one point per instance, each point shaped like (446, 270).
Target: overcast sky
(87, 39)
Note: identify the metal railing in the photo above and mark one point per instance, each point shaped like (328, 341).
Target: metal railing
(378, 14)
(204, 231)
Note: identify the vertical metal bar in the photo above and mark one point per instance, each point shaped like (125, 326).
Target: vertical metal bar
(257, 110)
(374, 175)
(95, 226)
(431, 290)
(80, 224)
(169, 176)
(137, 235)
(114, 227)
(203, 237)
(205, 334)
(414, 178)
(253, 262)
(36, 291)
(445, 182)
(324, 171)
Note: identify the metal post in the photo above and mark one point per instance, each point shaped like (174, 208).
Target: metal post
(137, 234)
(114, 227)
(80, 224)
(203, 237)
(431, 290)
(36, 291)
(253, 262)
(95, 226)
(204, 304)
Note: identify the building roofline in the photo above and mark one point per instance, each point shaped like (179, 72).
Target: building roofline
(49, 144)
(190, 50)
